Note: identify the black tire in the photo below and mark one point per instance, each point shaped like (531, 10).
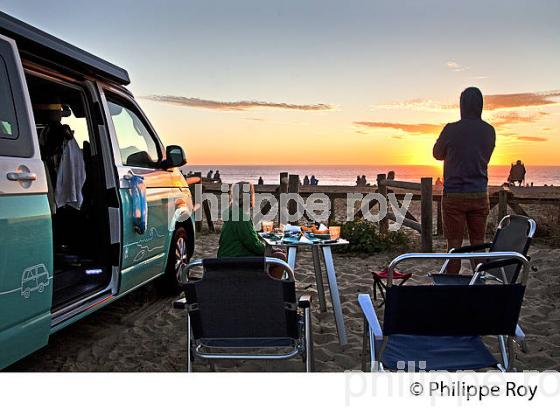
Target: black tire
(178, 257)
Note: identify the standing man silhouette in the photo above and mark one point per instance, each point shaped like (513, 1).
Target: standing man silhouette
(466, 147)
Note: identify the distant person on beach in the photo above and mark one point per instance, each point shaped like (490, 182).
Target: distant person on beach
(391, 175)
(439, 182)
(358, 181)
(306, 180)
(466, 147)
(517, 173)
(210, 175)
(314, 181)
(217, 176)
(238, 237)
(261, 181)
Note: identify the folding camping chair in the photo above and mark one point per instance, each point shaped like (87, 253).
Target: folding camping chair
(236, 310)
(430, 327)
(514, 234)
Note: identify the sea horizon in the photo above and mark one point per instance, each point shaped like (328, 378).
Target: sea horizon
(539, 175)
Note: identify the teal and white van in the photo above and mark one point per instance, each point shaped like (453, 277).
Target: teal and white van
(92, 205)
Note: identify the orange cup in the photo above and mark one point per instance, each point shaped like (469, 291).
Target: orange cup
(334, 232)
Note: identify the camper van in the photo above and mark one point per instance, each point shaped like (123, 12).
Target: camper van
(92, 205)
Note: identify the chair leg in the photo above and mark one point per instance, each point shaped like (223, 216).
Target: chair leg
(189, 347)
(309, 354)
(365, 345)
(505, 352)
(375, 289)
(382, 292)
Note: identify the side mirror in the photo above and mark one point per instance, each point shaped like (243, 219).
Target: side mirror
(174, 157)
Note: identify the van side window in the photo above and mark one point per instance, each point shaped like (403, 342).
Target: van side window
(8, 119)
(137, 145)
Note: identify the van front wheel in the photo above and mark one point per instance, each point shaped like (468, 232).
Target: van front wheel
(177, 260)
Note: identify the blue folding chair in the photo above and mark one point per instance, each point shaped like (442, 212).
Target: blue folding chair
(430, 327)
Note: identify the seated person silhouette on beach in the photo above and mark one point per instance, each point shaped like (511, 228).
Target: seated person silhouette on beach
(517, 173)
(217, 176)
(465, 147)
(210, 175)
(314, 181)
(306, 180)
(238, 237)
(261, 181)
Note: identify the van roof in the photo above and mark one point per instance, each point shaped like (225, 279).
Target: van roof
(36, 42)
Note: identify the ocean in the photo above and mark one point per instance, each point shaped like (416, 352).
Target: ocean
(346, 174)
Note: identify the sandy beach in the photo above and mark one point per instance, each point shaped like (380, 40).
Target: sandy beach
(142, 332)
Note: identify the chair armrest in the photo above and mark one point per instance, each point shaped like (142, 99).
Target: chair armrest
(500, 263)
(471, 248)
(464, 249)
(470, 256)
(369, 313)
(184, 275)
(304, 301)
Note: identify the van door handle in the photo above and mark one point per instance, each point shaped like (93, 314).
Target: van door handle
(22, 176)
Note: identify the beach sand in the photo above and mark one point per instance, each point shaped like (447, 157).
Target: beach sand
(142, 332)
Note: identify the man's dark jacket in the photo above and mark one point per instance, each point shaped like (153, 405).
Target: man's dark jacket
(465, 147)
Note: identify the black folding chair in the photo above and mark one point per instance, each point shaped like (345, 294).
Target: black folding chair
(430, 327)
(236, 310)
(514, 234)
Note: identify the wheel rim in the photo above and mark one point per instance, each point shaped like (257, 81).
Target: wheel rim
(181, 258)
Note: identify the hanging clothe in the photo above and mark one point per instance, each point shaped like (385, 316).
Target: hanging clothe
(71, 176)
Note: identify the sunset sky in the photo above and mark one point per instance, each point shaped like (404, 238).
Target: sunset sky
(325, 82)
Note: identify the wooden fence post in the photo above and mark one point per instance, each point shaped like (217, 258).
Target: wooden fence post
(208, 215)
(382, 189)
(283, 182)
(332, 213)
(502, 204)
(197, 223)
(293, 188)
(426, 218)
(282, 189)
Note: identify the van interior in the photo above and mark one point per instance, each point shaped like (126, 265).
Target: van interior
(77, 194)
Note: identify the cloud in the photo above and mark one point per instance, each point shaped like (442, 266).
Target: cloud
(532, 139)
(513, 117)
(418, 104)
(521, 100)
(454, 66)
(234, 105)
(491, 102)
(409, 128)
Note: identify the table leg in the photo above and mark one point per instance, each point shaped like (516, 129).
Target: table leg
(292, 252)
(319, 278)
(335, 297)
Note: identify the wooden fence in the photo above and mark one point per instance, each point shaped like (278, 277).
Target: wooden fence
(424, 191)
(425, 226)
